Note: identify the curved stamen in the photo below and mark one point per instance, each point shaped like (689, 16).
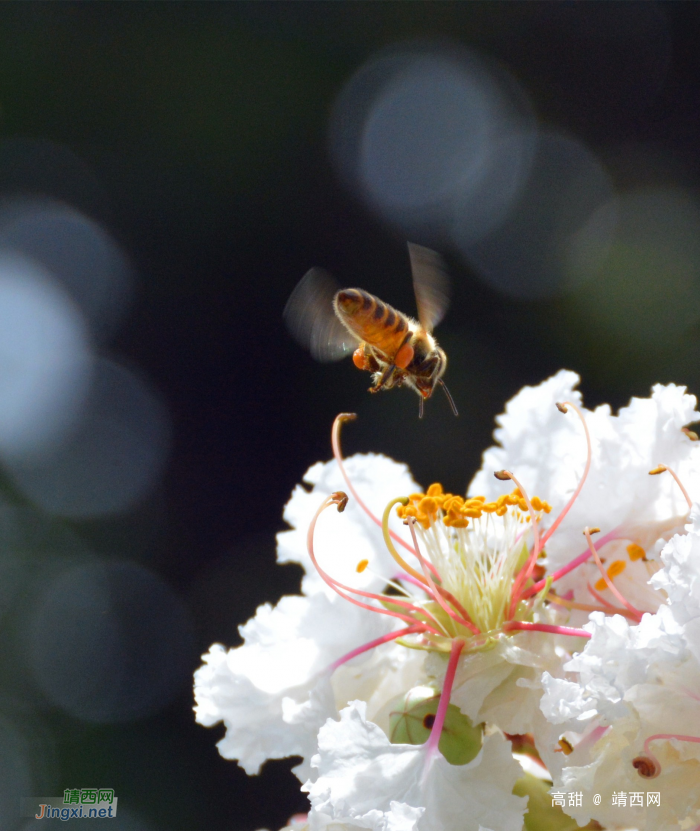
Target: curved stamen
(648, 766)
(662, 469)
(575, 563)
(608, 581)
(340, 499)
(524, 626)
(434, 589)
(338, 455)
(562, 407)
(431, 746)
(589, 607)
(372, 644)
(387, 534)
(525, 572)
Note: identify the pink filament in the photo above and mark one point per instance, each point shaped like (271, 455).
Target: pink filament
(589, 454)
(431, 746)
(526, 570)
(575, 563)
(665, 736)
(607, 579)
(336, 585)
(668, 736)
(587, 607)
(609, 607)
(524, 626)
(680, 485)
(409, 630)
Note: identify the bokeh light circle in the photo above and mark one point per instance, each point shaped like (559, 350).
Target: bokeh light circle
(109, 642)
(421, 130)
(558, 234)
(649, 290)
(76, 251)
(44, 358)
(114, 455)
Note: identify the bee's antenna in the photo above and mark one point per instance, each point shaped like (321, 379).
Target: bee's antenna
(449, 397)
(420, 407)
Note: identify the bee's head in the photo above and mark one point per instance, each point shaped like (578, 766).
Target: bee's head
(431, 371)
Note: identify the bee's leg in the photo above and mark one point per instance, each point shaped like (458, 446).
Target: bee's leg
(384, 378)
(449, 397)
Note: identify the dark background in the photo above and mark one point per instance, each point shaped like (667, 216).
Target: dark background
(196, 134)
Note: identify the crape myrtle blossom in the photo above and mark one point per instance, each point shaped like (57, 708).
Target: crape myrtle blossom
(263, 689)
(416, 653)
(636, 513)
(632, 714)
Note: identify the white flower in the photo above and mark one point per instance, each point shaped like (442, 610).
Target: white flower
(360, 771)
(465, 583)
(271, 691)
(547, 451)
(680, 580)
(502, 685)
(633, 683)
(345, 541)
(259, 689)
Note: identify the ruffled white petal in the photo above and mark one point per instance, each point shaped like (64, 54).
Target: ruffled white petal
(546, 450)
(343, 540)
(680, 580)
(632, 682)
(359, 771)
(262, 690)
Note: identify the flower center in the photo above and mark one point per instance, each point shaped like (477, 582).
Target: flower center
(477, 547)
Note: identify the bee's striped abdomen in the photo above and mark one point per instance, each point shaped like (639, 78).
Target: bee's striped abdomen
(372, 320)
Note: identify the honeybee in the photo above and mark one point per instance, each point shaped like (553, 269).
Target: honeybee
(396, 349)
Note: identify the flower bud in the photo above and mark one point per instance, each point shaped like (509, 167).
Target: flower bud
(411, 719)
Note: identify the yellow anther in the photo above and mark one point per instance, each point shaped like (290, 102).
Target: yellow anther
(546, 507)
(435, 490)
(455, 520)
(615, 568)
(477, 499)
(564, 743)
(428, 505)
(489, 507)
(522, 504)
(657, 470)
(474, 513)
(452, 503)
(512, 499)
(593, 531)
(361, 566)
(502, 500)
(500, 511)
(536, 503)
(636, 552)
(416, 497)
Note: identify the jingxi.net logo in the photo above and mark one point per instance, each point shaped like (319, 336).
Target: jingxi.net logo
(76, 803)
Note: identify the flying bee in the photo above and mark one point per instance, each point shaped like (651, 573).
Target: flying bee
(397, 350)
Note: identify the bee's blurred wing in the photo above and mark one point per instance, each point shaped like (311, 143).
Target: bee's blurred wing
(312, 321)
(430, 284)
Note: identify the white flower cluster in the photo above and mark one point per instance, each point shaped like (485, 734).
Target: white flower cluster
(510, 653)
